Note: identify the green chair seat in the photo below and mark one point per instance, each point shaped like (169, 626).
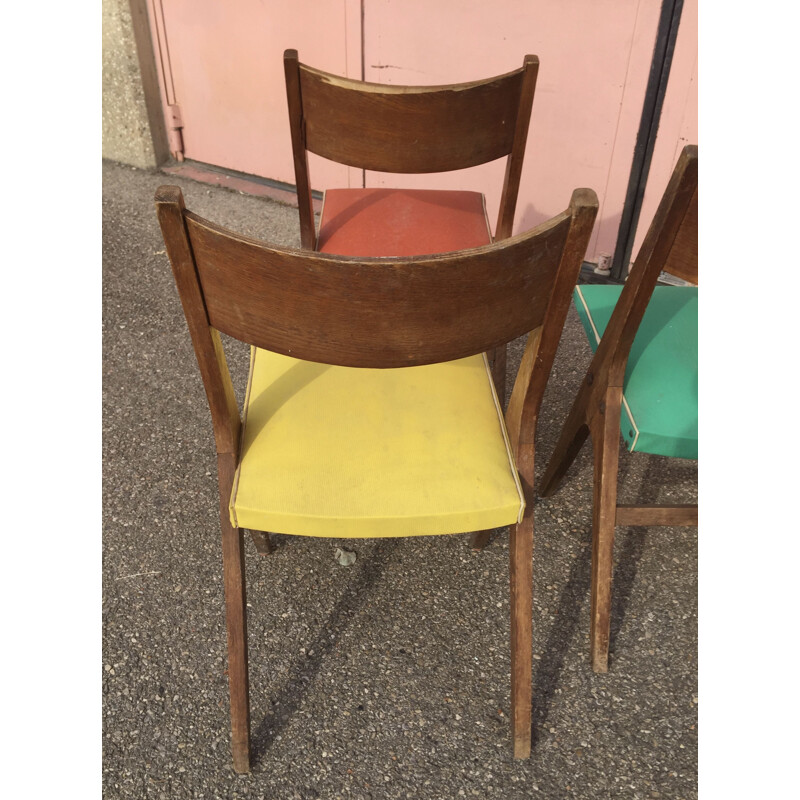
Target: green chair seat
(659, 405)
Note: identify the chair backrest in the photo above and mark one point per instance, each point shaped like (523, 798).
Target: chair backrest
(669, 246)
(367, 312)
(682, 259)
(408, 129)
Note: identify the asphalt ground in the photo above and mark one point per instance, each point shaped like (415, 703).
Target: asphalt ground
(388, 678)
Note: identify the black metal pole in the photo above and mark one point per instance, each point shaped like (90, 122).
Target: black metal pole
(663, 51)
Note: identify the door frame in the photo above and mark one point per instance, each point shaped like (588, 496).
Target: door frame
(149, 72)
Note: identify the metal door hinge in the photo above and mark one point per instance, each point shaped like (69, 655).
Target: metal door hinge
(174, 126)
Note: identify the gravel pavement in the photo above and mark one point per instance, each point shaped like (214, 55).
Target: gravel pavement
(388, 678)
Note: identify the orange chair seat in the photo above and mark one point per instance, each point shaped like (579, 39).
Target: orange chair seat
(401, 222)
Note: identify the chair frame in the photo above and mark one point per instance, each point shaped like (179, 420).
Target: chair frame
(218, 274)
(670, 245)
(412, 129)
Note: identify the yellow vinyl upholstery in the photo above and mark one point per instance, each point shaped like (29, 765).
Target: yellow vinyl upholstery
(347, 452)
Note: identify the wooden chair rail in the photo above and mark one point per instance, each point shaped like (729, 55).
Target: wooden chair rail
(656, 515)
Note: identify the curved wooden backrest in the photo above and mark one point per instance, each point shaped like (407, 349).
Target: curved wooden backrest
(408, 129)
(391, 312)
(413, 129)
(682, 259)
(670, 245)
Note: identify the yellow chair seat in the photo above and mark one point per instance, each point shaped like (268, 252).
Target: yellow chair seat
(340, 451)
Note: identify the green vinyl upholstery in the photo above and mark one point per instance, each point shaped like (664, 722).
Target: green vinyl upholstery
(659, 408)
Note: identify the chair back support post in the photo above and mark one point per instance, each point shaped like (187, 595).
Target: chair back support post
(667, 242)
(305, 203)
(513, 173)
(540, 349)
(206, 341)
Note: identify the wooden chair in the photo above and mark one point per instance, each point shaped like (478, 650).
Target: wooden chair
(370, 409)
(644, 373)
(408, 129)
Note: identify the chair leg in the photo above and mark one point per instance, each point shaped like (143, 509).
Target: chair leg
(499, 372)
(569, 444)
(262, 542)
(605, 442)
(236, 621)
(479, 539)
(521, 570)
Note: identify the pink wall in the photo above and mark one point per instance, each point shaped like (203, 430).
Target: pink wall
(226, 68)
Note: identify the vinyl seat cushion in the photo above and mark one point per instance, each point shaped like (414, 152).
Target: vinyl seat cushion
(659, 409)
(401, 222)
(348, 452)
